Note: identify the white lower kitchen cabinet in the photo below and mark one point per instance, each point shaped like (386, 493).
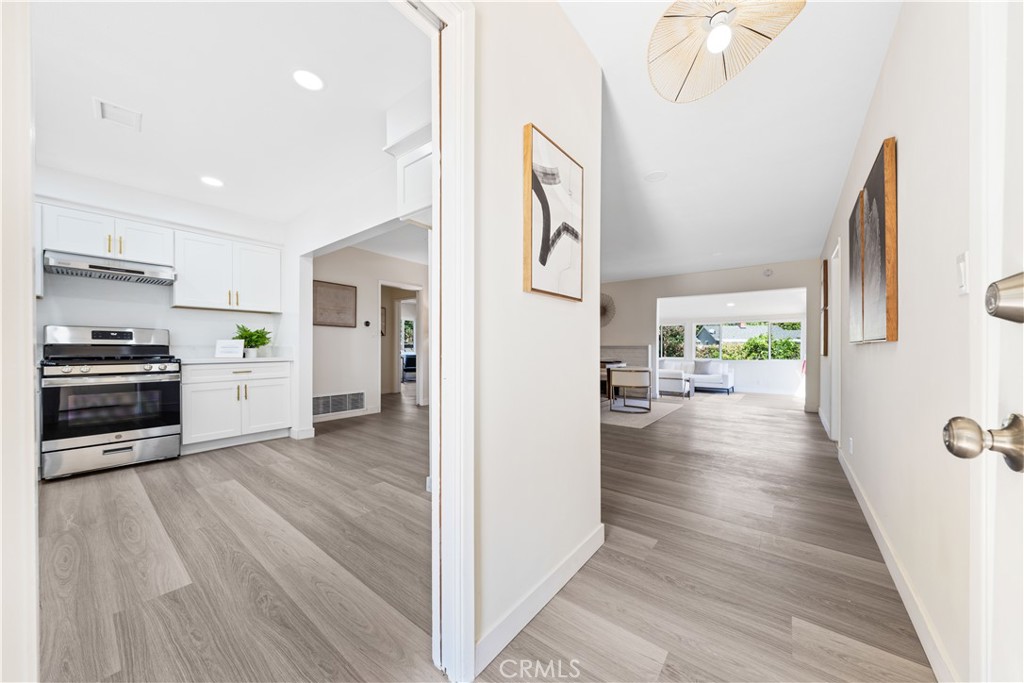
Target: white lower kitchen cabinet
(210, 411)
(265, 406)
(234, 400)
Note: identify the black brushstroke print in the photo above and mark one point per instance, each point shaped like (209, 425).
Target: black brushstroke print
(548, 242)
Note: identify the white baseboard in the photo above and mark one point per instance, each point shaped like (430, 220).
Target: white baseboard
(189, 449)
(933, 649)
(515, 620)
(306, 433)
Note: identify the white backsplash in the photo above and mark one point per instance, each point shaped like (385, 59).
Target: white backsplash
(194, 332)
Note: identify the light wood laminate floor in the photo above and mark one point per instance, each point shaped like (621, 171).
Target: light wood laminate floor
(279, 561)
(735, 551)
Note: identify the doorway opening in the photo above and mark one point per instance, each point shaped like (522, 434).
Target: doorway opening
(740, 342)
(220, 209)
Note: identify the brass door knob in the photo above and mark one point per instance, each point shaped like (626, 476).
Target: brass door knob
(964, 438)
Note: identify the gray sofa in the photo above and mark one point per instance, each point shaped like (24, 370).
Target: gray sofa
(708, 375)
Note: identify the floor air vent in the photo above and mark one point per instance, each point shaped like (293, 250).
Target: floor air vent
(338, 403)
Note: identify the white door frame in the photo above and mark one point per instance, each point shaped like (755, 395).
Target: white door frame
(398, 319)
(835, 345)
(988, 55)
(452, 324)
(19, 566)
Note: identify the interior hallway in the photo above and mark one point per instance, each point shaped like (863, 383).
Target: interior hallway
(735, 551)
(278, 561)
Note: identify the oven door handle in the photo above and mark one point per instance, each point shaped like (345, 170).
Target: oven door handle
(83, 381)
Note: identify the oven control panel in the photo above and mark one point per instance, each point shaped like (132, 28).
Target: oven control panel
(111, 369)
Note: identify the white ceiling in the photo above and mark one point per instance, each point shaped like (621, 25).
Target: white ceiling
(748, 306)
(404, 241)
(213, 82)
(755, 169)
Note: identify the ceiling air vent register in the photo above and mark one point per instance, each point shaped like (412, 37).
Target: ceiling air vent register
(697, 46)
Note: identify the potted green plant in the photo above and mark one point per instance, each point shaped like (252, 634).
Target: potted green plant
(253, 339)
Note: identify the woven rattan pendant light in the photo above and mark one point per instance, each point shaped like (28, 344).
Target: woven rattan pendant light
(697, 46)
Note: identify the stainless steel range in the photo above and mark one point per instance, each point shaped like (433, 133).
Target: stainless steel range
(110, 397)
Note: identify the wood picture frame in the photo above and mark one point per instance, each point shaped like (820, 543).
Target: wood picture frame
(334, 305)
(383, 321)
(552, 196)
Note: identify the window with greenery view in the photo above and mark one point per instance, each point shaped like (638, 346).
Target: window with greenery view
(407, 335)
(750, 341)
(787, 339)
(709, 344)
(673, 341)
(745, 341)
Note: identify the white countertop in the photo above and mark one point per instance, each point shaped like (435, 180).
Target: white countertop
(207, 361)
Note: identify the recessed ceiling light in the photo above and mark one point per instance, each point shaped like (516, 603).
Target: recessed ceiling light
(308, 80)
(655, 176)
(211, 181)
(730, 304)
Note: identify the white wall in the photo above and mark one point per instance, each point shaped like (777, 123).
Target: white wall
(538, 431)
(636, 305)
(346, 359)
(19, 580)
(79, 189)
(367, 205)
(73, 300)
(896, 396)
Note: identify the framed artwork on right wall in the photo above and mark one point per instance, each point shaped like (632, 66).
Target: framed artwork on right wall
(874, 290)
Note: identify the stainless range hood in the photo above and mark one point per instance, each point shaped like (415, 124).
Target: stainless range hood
(61, 263)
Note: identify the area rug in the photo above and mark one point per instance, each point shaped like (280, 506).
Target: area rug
(638, 420)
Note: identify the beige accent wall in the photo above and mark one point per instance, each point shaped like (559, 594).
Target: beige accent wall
(538, 451)
(636, 305)
(348, 359)
(896, 396)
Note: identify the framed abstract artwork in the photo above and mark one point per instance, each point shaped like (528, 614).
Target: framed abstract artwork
(334, 305)
(874, 285)
(857, 270)
(553, 218)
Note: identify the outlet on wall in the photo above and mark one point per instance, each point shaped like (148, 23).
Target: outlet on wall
(851, 446)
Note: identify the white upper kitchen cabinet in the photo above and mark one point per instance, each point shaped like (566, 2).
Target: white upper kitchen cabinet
(225, 274)
(415, 185)
(203, 266)
(78, 232)
(143, 242)
(257, 278)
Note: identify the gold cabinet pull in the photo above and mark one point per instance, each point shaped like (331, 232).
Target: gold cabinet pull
(110, 240)
(241, 372)
(120, 245)
(246, 392)
(236, 298)
(238, 392)
(229, 297)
